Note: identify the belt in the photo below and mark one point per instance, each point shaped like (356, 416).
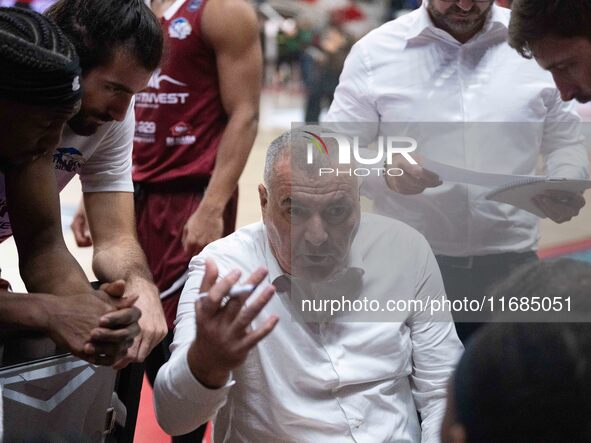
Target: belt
(483, 260)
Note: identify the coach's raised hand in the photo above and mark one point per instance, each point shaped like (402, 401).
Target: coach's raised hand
(224, 336)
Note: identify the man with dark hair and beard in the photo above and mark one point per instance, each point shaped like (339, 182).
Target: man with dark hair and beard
(120, 44)
(447, 71)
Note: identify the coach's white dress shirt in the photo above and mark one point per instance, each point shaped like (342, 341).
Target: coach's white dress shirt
(322, 382)
(477, 105)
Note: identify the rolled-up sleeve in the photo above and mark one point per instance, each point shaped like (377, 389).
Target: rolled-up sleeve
(181, 402)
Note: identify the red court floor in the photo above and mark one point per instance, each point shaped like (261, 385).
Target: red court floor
(147, 429)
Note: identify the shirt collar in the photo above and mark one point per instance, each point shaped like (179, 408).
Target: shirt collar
(172, 10)
(423, 22)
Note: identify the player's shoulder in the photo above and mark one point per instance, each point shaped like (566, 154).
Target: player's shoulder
(227, 11)
(229, 22)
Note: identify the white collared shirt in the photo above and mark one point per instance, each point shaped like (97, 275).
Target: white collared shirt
(322, 382)
(477, 105)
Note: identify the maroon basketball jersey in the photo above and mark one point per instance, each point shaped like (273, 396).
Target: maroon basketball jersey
(179, 117)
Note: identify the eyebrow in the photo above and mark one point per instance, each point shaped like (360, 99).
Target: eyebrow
(561, 62)
(122, 87)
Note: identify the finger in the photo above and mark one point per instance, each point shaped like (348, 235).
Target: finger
(121, 318)
(257, 335)
(211, 303)
(210, 277)
(114, 289)
(429, 178)
(122, 363)
(118, 302)
(548, 207)
(112, 350)
(249, 312)
(81, 235)
(414, 171)
(255, 279)
(105, 335)
(572, 199)
(144, 349)
(100, 360)
(559, 212)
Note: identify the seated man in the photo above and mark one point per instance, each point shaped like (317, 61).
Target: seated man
(39, 92)
(333, 380)
(528, 382)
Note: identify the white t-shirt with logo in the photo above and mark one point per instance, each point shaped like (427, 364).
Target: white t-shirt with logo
(103, 162)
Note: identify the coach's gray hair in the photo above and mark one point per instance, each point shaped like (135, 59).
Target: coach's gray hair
(295, 143)
(276, 150)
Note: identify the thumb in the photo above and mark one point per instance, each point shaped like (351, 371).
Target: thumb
(210, 277)
(114, 289)
(415, 171)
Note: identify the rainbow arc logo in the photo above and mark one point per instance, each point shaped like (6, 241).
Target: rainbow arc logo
(317, 142)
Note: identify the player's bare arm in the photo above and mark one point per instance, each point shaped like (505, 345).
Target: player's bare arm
(231, 27)
(118, 255)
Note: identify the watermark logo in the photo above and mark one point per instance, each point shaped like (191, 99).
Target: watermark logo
(349, 149)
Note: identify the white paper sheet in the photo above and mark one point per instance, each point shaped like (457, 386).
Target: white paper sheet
(487, 180)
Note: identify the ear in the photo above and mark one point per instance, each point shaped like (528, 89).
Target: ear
(263, 199)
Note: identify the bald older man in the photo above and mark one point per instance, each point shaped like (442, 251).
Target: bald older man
(328, 375)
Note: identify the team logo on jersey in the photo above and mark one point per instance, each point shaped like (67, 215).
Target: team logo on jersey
(76, 84)
(180, 28)
(180, 129)
(158, 77)
(194, 5)
(181, 135)
(68, 159)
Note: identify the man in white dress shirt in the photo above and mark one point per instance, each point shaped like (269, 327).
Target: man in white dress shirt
(329, 381)
(447, 71)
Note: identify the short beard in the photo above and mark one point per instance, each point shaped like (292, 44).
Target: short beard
(80, 125)
(469, 25)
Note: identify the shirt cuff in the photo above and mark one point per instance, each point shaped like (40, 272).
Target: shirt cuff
(569, 172)
(193, 389)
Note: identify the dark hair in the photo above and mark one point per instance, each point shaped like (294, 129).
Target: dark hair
(552, 278)
(521, 382)
(39, 64)
(100, 27)
(526, 382)
(532, 20)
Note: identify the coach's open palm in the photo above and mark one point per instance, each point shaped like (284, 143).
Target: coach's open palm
(224, 335)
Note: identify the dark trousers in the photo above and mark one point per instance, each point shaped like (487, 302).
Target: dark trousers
(474, 277)
(160, 355)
